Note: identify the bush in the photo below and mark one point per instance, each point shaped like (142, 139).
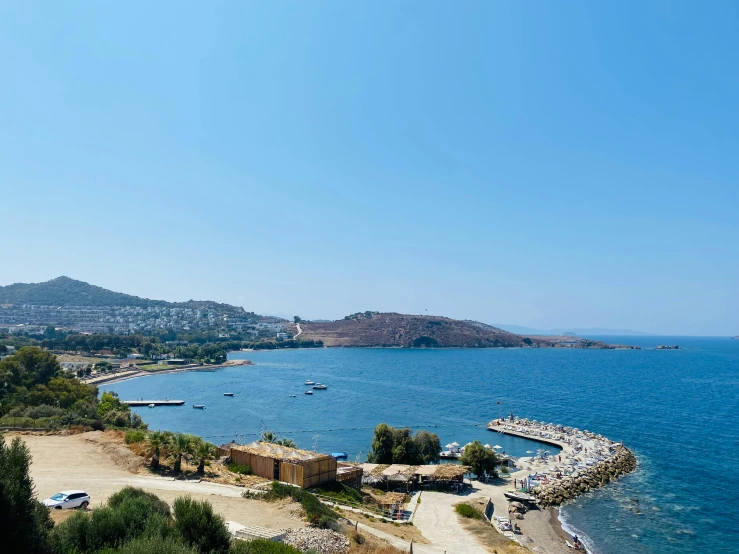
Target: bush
(196, 523)
(134, 436)
(317, 513)
(339, 492)
(132, 493)
(465, 510)
(261, 546)
(156, 545)
(241, 470)
(24, 522)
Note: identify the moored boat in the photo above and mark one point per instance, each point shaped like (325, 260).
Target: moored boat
(309, 392)
(228, 394)
(319, 386)
(199, 406)
(309, 382)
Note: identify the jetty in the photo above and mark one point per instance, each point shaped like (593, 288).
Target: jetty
(587, 460)
(155, 402)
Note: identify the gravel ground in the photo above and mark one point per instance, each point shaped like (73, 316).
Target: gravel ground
(323, 541)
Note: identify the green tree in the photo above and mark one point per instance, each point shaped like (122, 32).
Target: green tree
(428, 446)
(297, 319)
(480, 459)
(153, 449)
(178, 446)
(25, 523)
(199, 526)
(382, 445)
(103, 366)
(203, 451)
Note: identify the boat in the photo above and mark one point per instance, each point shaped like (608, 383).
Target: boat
(309, 392)
(339, 455)
(292, 396)
(520, 497)
(451, 454)
(309, 382)
(319, 386)
(228, 394)
(199, 406)
(151, 405)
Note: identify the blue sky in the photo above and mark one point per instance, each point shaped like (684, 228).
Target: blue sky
(549, 164)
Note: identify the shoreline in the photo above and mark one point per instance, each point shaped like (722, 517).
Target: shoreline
(142, 373)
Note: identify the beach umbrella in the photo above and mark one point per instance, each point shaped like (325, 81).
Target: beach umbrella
(455, 444)
(450, 445)
(497, 446)
(529, 452)
(487, 445)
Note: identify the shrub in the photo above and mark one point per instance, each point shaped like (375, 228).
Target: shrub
(24, 522)
(261, 546)
(132, 493)
(134, 436)
(339, 492)
(196, 523)
(465, 510)
(156, 545)
(241, 470)
(317, 513)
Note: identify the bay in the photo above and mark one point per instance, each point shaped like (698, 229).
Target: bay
(677, 410)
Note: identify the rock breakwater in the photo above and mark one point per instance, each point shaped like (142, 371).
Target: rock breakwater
(561, 490)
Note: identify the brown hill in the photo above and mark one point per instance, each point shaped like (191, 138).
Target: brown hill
(399, 330)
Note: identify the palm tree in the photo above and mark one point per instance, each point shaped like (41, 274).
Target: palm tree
(204, 451)
(179, 445)
(268, 436)
(287, 442)
(154, 443)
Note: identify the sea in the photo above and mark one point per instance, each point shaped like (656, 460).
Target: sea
(678, 410)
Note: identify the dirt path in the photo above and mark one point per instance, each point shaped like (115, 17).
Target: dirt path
(82, 462)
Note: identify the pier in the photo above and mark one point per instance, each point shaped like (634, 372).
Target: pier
(155, 402)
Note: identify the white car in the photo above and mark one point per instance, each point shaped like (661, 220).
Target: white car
(67, 500)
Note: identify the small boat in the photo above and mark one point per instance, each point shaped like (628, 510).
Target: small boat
(319, 386)
(228, 394)
(151, 405)
(199, 406)
(520, 497)
(309, 382)
(292, 396)
(339, 455)
(309, 392)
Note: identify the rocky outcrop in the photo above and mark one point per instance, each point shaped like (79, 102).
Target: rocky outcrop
(605, 471)
(322, 541)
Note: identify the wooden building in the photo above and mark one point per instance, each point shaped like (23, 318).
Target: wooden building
(290, 465)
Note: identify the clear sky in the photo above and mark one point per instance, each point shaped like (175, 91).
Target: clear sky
(549, 164)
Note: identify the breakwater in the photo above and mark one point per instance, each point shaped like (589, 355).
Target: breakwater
(559, 491)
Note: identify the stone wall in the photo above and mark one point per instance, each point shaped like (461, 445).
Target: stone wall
(561, 490)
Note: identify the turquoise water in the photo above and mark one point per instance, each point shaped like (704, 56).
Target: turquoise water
(678, 411)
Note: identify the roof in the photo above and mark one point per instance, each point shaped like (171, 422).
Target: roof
(396, 468)
(426, 470)
(278, 452)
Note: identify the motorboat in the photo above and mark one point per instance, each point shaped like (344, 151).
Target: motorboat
(292, 396)
(309, 382)
(319, 386)
(199, 406)
(309, 392)
(451, 454)
(520, 497)
(151, 405)
(228, 394)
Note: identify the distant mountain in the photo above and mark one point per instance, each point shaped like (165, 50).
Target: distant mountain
(373, 329)
(64, 291)
(581, 331)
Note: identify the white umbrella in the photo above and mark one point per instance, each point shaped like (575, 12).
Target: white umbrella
(450, 445)
(497, 446)
(488, 446)
(455, 444)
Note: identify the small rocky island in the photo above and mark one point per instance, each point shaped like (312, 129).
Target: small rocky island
(668, 347)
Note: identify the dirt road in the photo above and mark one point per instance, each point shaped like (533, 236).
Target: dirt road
(81, 462)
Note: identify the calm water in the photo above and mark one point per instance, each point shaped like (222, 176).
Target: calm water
(678, 410)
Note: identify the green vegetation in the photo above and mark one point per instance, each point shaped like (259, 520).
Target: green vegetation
(465, 510)
(270, 436)
(134, 436)
(397, 446)
(317, 514)
(261, 546)
(339, 492)
(240, 469)
(35, 391)
(480, 459)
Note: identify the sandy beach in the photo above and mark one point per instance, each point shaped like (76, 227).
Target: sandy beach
(136, 373)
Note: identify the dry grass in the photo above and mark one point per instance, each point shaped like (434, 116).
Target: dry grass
(364, 543)
(486, 535)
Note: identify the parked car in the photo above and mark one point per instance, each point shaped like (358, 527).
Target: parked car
(67, 500)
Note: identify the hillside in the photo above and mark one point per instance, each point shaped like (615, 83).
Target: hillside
(399, 330)
(64, 291)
